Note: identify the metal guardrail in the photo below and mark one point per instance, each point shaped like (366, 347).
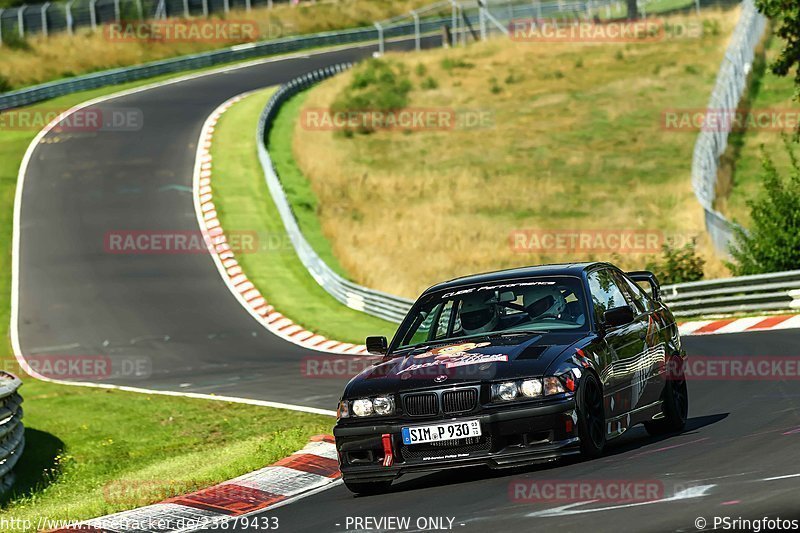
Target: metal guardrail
(12, 432)
(779, 291)
(104, 78)
(373, 302)
(712, 142)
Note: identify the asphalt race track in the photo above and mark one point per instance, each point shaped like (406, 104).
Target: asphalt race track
(175, 312)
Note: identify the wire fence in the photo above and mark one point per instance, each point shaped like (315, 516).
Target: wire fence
(713, 141)
(12, 432)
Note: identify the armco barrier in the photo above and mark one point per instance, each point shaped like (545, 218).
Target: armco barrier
(12, 433)
(376, 303)
(779, 291)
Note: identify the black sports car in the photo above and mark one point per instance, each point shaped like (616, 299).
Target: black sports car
(513, 367)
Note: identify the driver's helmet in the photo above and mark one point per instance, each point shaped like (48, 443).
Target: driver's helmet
(478, 316)
(544, 301)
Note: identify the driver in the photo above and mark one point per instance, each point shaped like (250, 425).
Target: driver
(544, 301)
(478, 316)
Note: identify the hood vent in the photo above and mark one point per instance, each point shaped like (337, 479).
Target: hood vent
(532, 352)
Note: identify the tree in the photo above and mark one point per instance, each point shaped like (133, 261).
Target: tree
(773, 242)
(786, 16)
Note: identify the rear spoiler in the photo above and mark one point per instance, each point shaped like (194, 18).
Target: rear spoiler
(645, 276)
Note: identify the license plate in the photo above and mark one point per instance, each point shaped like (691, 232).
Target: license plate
(439, 432)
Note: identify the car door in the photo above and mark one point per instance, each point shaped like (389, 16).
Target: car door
(623, 376)
(654, 355)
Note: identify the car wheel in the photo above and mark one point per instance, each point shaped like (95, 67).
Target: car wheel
(368, 488)
(675, 400)
(591, 416)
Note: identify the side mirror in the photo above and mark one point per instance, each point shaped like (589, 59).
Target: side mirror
(645, 276)
(618, 316)
(377, 345)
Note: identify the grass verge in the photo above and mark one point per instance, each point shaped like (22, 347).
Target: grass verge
(245, 205)
(565, 138)
(82, 441)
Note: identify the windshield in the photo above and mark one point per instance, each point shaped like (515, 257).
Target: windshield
(541, 304)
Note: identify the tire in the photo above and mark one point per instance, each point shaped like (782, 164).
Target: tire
(591, 417)
(675, 401)
(368, 488)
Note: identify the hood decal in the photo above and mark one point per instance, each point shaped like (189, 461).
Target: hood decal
(453, 356)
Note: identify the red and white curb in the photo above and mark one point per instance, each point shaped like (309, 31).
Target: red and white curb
(310, 470)
(225, 259)
(739, 325)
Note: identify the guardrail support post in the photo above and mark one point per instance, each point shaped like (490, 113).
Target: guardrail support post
(1, 26)
(417, 45)
(186, 8)
(482, 18)
(44, 17)
(247, 5)
(381, 45)
(93, 13)
(70, 21)
(140, 9)
(21, 20)
(697, 6)
(117, 14)
(454, 24)
(226, 6)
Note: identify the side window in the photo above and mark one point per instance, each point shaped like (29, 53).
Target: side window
(422, 328)
(605, 291)
(637, 294)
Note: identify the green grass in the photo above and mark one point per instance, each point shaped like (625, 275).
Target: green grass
(244, 204)
(766, 91)
(298, 190)
(91, 451)
(81, 440)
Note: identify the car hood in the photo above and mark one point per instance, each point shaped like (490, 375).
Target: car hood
(468, 361)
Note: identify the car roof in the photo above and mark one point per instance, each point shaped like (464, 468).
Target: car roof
(558, 269)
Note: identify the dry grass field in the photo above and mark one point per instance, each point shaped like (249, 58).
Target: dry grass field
(41, 59)
(576, 143)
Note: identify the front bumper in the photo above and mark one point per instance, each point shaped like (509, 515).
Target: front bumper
(511, 436)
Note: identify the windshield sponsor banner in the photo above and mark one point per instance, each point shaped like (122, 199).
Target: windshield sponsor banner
(406, 119)
(743, 368)
(730, 120)
(86, 120)
(182, 31)
(596, 31)
(581, 490)
(569, 241)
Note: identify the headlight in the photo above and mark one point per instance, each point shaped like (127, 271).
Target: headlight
(380, 406)
(362, 407)
(552, 385)
(505, 391)
(526, 389)
(383, 405)
(531, 388)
